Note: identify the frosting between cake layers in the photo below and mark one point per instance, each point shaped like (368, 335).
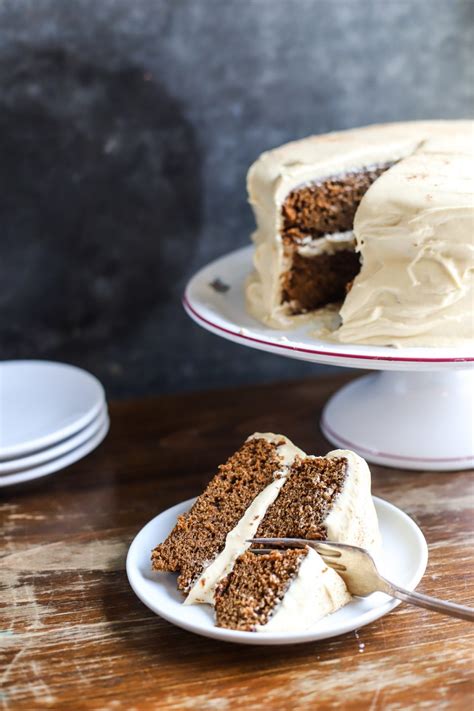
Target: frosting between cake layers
(413, 229)
(329, 244)
(236, 541)
(315, 592)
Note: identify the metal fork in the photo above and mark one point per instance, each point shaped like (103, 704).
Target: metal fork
(359, 572)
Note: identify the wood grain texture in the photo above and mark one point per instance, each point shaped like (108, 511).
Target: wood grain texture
(74, 636)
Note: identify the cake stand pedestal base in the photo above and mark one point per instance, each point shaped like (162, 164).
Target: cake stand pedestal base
(410, 420)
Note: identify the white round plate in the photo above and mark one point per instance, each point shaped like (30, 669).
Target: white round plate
(221, 310)
(42, 403)
(58, 463)
(403, 561)
(50, 453)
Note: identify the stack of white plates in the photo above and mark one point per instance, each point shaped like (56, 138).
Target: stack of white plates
(51, 415)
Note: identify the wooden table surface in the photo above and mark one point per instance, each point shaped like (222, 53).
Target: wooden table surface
(74, 636)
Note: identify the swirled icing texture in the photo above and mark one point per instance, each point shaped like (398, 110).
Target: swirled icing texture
(413, 229)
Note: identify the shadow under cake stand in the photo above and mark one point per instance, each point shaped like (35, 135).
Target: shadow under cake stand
(416, 413)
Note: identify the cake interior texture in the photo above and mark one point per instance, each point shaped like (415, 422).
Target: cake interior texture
(317, 276)
(199, 535)
(305, 499)
(248, 596)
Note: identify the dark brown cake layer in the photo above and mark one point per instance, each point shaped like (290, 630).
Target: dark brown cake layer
(305, 499)
(326, 207)
(250, 593)
(313, 282)
(200, 534)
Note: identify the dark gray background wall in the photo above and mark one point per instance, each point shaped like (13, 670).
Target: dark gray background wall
(126, 129)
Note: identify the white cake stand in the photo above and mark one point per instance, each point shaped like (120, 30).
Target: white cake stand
(417, 413)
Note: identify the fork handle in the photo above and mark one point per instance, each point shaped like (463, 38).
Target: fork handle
(431, 603)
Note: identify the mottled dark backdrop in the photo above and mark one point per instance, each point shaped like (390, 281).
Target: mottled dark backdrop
(126, 129)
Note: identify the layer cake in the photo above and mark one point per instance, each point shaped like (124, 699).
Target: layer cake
(374, 224)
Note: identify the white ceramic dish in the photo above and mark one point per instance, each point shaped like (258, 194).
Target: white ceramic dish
(58, 463)
(421, 418)
(404, 560)
(46, 455)
(43, 403)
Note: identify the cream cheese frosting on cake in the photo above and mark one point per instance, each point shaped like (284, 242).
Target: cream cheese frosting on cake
(268, 488)
(416, 282)
(352, 518)
(315, 592)
(404, 193)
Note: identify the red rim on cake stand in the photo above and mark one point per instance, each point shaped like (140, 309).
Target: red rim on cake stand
(416, 413)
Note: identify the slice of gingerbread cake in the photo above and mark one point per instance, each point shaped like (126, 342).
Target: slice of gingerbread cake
(270, 488)
(212, 535)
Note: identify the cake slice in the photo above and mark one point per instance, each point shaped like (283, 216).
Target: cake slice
(318, 498)
(281, 591)
(212, 535)
(269, 488)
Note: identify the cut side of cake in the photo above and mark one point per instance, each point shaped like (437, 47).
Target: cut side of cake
(270, 487)
(318, 241)
(373, 220)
